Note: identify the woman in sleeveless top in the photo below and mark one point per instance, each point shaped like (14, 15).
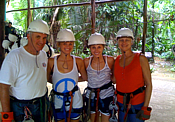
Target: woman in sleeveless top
(99, 70)
(65, 69)
(133, 81)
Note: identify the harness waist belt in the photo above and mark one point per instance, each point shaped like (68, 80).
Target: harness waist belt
(67, 93)
(32, 101)
(139, 90)
(101, 88)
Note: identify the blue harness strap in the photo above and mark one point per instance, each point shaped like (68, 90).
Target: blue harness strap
(66, 101)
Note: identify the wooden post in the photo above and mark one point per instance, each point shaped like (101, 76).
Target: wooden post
(29, 18)
(2, 28)
(93, 15)
(144, 26)
(153, 29)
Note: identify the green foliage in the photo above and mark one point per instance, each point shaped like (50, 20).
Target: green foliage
(173, 69)
(110, 17)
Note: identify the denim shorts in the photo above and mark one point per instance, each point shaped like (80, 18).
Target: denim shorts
(131, 117)
(61, 116)
(103, 105)
(38, 108)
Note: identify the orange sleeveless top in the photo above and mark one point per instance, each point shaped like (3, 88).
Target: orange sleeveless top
(129, 79)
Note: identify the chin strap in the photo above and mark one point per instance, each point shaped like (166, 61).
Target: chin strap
(7, 116)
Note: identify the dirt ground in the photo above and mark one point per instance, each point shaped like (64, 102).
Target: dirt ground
(163, 94)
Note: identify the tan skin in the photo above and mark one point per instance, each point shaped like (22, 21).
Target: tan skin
(96, 51)
(125, 46)
(66, 49)
(38, 40)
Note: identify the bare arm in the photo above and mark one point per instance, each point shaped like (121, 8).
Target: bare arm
(147, 79)
(81, 69)
(111, 66)
(50, 69)
(4, 97)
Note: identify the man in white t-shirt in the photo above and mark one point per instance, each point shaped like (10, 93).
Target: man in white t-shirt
(23, 79)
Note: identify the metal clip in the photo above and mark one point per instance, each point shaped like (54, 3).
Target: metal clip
(113, 106)
(113, 119)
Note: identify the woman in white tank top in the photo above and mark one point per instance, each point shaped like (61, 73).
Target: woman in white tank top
(99, 70)
(66, 69)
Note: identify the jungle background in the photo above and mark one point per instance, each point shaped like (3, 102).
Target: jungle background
(110, 17)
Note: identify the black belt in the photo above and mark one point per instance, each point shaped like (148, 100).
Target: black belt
(32, 101)
(67, 93)
(126, 97)
(106, 86)
(139, 90)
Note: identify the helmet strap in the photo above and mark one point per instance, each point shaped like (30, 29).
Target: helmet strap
(124, 59)
(65, 64)
(35, 50)
(98, 67)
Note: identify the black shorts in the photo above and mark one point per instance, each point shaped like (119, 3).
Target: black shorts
(103, 105)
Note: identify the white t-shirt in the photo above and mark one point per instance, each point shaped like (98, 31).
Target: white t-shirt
(19, 70)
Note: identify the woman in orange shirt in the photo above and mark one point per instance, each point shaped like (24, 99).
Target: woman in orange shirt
(133, 80)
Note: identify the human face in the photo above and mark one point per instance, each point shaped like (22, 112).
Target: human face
(125, 43)
(97, 50)
(10, 25)
(66, 47)
(37, 40)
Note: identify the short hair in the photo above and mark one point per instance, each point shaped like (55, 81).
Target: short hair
(10, 22)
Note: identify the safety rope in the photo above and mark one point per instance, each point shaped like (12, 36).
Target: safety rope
(70, 108)
(129, 106)
(96, 110)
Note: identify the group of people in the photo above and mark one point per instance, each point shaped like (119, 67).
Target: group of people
(25, 72)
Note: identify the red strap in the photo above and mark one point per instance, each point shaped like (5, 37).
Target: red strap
(70, 108)
(129, 106)
(96, 110)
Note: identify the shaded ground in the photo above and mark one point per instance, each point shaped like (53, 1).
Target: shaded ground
(163, 95)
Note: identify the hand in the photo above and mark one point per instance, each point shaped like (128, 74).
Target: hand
(144, 113)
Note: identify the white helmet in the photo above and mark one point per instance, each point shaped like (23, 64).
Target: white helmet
(39, 26)
(53, 52)
(5, 44)
(12, 38)
(65, 35)
(125, 32)
(96, 38)
(45, 48)
(14, 46)
(24, 41)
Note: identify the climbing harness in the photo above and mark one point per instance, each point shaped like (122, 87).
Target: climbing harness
(113, 108)
(66, 101)
(28, 115)
(127, 98)
(86, 114)
(97, 96)
(34, 101)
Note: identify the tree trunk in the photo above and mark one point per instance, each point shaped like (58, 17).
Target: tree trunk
(2, 32)
(144, 26)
